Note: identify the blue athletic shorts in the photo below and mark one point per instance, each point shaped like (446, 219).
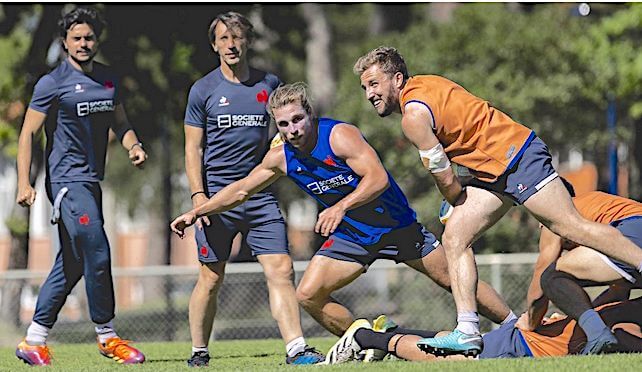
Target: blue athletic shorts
(531, 172)
(260, 222)
(631, 228)
(401, 245)
(505, 342)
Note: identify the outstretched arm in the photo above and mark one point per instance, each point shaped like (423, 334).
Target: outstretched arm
(348, 143)
(271, 168)
(417, 127)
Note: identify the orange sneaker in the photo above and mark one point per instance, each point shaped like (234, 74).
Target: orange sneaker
(34, 355)
(120, 351)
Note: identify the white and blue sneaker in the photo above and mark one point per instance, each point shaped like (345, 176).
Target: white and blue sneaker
(347, 348)
(454, 343)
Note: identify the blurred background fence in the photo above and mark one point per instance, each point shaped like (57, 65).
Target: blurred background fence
(152, 301)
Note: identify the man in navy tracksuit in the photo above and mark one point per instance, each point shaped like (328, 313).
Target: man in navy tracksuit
(83, 94)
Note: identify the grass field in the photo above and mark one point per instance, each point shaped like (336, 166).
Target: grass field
(268, 355)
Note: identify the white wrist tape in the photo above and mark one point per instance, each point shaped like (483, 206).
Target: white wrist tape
(435, 159)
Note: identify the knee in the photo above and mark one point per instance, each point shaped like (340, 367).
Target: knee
(452, 241)
(551, 276)
(210, 279)
(305, 296)
(279, 271)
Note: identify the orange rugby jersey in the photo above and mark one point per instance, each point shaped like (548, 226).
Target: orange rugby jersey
(605, 208)
(564, 336)
(473, 133)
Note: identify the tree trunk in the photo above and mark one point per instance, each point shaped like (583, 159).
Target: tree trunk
(18, 222)
(318, 56)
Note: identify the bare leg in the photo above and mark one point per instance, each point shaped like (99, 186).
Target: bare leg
(435, 266)
(283, 303)
(323, 276)
(202, 304)
(475, 212)
(405, 346)
(565, 221)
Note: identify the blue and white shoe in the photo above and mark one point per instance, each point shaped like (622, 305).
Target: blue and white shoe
(309, 355)
(347, 348)
(455, 343)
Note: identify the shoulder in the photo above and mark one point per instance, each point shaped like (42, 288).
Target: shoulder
(272, 80)
(345, 139)
(200, 88)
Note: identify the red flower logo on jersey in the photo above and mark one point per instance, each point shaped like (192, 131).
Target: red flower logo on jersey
(84, 219)
(327, 244)
(204, 251)
(109, 84)
(262, 96)
(330, 161)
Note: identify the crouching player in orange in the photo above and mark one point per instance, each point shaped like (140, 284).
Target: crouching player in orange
(561, 278)
(558, 337)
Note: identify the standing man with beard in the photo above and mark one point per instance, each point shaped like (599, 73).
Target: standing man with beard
(226, 135)
(83, 94)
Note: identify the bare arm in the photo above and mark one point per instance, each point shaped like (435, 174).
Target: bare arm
(129, 139)
(348, 144)
(271, 168)
(550, 249)
(194, 162)
(417, 127)
(32, 123)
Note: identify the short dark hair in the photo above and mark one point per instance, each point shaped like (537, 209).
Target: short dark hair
(569, 186)
(79, 16)
(236, 22)
(387, 58)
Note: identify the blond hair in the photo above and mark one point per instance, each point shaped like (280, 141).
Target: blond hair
(387, 58)
(290, 93)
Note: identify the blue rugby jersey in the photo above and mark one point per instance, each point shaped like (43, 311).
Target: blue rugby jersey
(236, 123)
(85, 102)
(328, 179)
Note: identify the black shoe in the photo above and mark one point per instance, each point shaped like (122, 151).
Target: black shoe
(199, 359)
(309, 355)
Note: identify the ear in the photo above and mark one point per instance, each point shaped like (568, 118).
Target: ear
(214, 48)
(398, 80)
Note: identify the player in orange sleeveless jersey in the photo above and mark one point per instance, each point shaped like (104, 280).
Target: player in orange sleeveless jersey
(560, 278)
(553, 337)
(509, 165)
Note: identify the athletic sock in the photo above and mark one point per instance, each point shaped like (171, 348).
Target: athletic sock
(592, 324)
(416, 332)
(200, 349)
(369, 339)
(468, 322)
(37, 334)
(105, 332)
(511, 316)
(295, 346)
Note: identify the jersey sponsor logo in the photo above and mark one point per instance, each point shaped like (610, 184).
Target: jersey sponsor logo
(262, 96)
(325, 185)
(235, 120)
(109, 84)
(223, 102)
(521, 187)
(78, 89)
(86, 108)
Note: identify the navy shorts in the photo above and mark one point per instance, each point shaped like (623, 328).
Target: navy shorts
(631, 228)
(505, 342)
(531, 172)
(260, 222)
(407, 243)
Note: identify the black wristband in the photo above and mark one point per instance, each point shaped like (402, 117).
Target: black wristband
(196, 193)
(136, 144)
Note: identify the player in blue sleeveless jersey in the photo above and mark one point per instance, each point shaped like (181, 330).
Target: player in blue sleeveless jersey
(226, 135)
(365, 214)
(83, 94)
